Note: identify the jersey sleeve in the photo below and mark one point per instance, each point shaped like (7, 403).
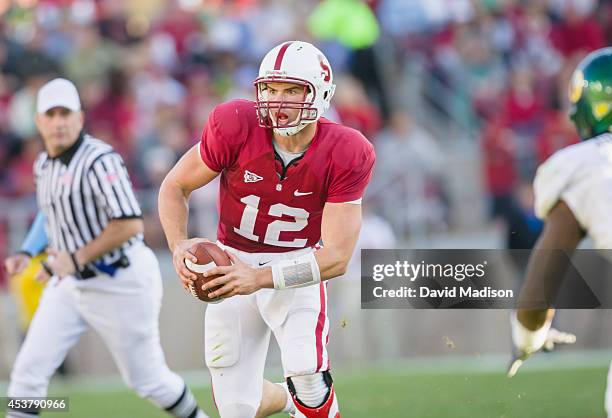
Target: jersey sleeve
(37, 240)
(568, 176)
(350, 176)
(589, 201)
(222, 136)
(113, 189)
(580, 176)
(558, 178)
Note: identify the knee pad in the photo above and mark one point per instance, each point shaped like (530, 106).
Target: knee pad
(236, 410)
(222, 339)
(310, 387)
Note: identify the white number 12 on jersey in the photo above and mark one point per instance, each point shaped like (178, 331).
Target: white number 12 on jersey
(249, 216)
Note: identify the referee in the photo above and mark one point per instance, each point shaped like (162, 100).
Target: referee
(102, 276)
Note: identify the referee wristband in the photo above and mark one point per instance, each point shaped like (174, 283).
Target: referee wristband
(77, 268)
(46, 268)
(296, 272)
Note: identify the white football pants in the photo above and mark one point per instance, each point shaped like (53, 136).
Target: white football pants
(237, 334)
(123, 310)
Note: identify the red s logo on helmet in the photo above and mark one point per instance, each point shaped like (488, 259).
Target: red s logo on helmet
(326, 71)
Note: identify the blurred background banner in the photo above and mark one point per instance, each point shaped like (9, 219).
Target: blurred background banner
(462, 100)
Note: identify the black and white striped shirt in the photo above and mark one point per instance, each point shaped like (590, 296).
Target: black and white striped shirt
(80, 191)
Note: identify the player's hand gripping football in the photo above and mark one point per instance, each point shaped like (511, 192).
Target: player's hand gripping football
(524, 345)
(179, 255)
(237, 279)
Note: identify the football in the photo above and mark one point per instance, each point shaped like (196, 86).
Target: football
(209, 255)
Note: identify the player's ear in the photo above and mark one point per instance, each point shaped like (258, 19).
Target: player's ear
(81, 118)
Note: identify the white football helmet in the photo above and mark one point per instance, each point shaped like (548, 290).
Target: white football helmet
(298, 63)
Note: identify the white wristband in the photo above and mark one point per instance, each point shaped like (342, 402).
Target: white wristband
(525, 339)
(296, 272)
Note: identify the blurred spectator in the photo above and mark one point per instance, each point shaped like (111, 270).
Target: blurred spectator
(523, 113)
(403, 17)
(605, 14)
(115, 114)
(557, 132)
(536, 48)
(473, 70)
(21, 176)
(524, 227)
(499, 163)
(31, 58)
(155, 88)
(578, 31)
(354, 26)
(156, 162)
(354, 107)
(350, 22)
(21, 108)
(92, 56)
(162, 148)
(180, 25)
(523, 105)
(410, 165)
(271, 23)
(200, 100)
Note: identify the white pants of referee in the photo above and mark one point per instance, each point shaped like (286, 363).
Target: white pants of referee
(123, 310)
(237, 334)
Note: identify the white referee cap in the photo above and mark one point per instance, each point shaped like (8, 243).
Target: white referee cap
(58, 93)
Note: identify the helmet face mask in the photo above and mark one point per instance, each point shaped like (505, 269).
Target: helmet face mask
(297, 63)
(266, 108)
(590, 94)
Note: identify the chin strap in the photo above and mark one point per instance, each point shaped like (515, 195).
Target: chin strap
(290, 131)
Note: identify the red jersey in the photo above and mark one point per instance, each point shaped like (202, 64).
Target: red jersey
(267, 207)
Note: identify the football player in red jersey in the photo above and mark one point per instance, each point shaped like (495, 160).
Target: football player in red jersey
(290, 179)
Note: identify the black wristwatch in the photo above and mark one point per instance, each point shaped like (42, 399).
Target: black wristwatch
(77, 268)
(46, 268)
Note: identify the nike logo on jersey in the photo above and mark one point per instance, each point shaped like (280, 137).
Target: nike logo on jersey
(264, 263)
(251, 177)
(297, 193)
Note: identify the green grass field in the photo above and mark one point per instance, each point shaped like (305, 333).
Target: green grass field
(428, 391)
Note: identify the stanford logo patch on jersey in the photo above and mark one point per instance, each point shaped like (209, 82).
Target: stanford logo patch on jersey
(251, 177)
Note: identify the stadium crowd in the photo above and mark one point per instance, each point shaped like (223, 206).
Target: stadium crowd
(150, 72)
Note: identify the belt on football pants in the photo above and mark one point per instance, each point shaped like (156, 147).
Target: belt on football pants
(95, 269)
